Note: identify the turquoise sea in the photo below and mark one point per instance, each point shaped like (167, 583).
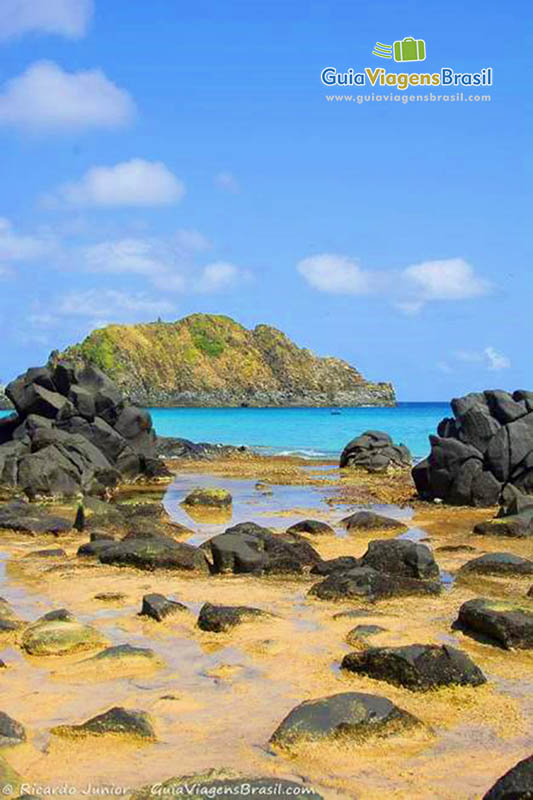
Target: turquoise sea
(311, 432)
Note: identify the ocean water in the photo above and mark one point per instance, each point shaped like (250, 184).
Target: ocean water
(311, 432)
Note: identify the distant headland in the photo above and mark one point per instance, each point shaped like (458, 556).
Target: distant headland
(211, 360)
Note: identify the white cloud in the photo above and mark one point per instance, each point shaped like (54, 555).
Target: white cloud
(46, 98)
(408, 289)
(219, 276)
(111, 304)
(160, 262)
(227, 182)
(68, 18)
(130, 183)
(496, 360)
(334, 274)
(451, 279)
(15, 247)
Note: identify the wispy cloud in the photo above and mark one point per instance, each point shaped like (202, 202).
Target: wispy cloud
(488, 358)
(227, 182)
(17, 247)
(131, 183)
(69, 18)
(112, 304)
(45, 98)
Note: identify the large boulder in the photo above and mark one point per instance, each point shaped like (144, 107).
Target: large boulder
(346, 716)
(498, 564)
(159, 552)
(508, 624)
(488, 445)
(60, 635)
(416, 666)
(248, 547)
(72, 432)
(401, 557)
(375, 451)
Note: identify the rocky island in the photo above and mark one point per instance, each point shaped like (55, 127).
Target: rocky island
(211, 360)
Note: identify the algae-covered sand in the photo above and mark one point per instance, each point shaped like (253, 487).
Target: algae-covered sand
(216, 698)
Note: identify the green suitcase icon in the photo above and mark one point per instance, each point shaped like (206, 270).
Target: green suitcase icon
(410, 49)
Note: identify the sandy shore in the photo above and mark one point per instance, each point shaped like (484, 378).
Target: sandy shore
(216, 698)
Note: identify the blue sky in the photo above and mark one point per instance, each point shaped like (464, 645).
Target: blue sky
(163, 158)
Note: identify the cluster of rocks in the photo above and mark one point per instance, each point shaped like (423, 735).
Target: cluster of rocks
(389, 568)
(73, 431)
(485, 446)
(172, 447)
(376, 452)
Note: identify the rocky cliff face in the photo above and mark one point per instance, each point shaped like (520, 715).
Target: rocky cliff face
(210, 360)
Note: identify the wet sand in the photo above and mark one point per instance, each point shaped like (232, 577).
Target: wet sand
(216, 698)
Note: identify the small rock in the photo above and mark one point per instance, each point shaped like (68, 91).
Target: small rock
(209, 497)
(58, 551)
(109, 597)
(362, 632)
(456, 548)
(516, 784)
(117, 721)
(376, 452)
(416, 666)
(350, 715)
(220, 619)
(101, 536)
(312, 526)
(11, 732)
(518, 526)
(151, 554)
(508, 624)
(123, 652)
(58, 637)
(370, 521)
(157, 606)
(94, 548)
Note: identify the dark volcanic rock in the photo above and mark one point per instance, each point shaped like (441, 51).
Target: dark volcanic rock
(370, 521)
(416, 666)
(158, 607)
(514, 526)
(311, 526)
(11, 732)
(222, 618)
(247, 547)
(375, 451)
(367, 583)
(151, 554)
(486, 447)
(498, 564)
(335, 565)
(74, 432)
(117, 721)
(516, 784)
(28, 518)
(508, 624)
(170, 447)
(350, 715)
(401, 557)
